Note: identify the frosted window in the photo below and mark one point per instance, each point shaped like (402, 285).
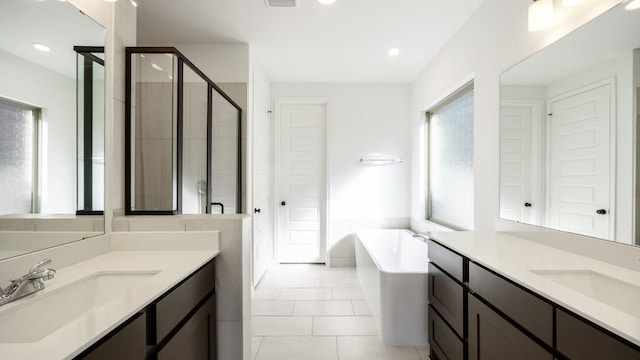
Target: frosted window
(450, 163)
(17, 159)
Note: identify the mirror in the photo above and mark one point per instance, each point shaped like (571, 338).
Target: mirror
(51, 146)
(568, 132)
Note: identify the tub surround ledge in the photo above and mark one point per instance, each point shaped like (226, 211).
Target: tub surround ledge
(526, 262)
(169, 257)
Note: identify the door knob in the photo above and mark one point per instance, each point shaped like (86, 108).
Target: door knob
(284, 203)
(601, 212)
(256, 210)
(527, 204)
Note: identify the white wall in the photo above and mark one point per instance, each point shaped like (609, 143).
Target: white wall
(362, 119)
(221, 62)
(495, 38)
(56, 96)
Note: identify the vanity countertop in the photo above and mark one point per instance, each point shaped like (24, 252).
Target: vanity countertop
(514, 258)
(168, 269)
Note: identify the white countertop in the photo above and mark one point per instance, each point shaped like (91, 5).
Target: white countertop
(71, 339)
(514, 257)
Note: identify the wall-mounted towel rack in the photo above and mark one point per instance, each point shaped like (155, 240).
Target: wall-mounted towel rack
(381, 161)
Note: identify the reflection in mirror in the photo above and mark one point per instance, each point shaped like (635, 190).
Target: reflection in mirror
(39, 165)
(568, 132)
(90, 103)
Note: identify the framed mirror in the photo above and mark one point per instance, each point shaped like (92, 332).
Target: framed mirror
(52, 83)
(569, 132)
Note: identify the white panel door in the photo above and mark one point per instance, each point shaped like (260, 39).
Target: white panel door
(579, 179)
(301, 237)
(516, 176)
(262, 205)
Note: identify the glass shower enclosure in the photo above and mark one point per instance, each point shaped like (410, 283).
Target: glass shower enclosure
(182, 153)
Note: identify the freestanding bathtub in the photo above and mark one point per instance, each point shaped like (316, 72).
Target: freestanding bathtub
(392, 270)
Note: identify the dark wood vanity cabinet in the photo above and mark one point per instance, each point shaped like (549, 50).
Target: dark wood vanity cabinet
(180, 324)
(446, 303)
(475, 313)
(491, 336)
(578, 339)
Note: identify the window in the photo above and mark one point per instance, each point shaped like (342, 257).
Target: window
(18, 158)
(450, 161)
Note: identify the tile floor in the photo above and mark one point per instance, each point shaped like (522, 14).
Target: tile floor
(312, 312)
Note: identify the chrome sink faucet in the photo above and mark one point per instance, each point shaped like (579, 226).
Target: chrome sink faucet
(27, 284)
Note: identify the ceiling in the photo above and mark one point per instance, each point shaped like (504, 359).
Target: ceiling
(57, 24)
(344, 42)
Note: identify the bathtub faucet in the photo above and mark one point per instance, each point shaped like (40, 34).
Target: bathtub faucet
(422, 237)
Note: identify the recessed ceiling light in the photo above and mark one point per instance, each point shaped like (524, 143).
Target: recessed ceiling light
(571, 2)
(156, 66)
(393, 51)
(633, 5)
(326, 2)
(135, 4)
(41, 47)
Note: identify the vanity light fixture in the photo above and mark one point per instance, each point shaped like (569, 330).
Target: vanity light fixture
(393, 51)
(571, 2)
(326, 2)
(41, 47)
(633, 5)
(540, 14)
(135, 4)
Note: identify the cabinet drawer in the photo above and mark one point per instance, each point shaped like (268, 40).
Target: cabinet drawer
(528, 310)
(127, 343)
(493, 337)
(447, 260)
(578, 339)
(442, 340)
(174, 307)
(447, 297)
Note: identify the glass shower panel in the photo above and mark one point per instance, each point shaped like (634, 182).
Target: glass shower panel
(154, 128)
(194, 143)
(224, 158)
(90, 127)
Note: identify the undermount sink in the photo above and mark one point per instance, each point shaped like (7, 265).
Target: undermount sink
(43, 313)
(605, 289)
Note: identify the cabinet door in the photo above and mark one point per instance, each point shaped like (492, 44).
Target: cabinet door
(127, 343)
(493, 337)
(579, 340)
(196, 340)
(444, 343)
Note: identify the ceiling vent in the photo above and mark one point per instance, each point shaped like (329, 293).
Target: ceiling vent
(281, 3)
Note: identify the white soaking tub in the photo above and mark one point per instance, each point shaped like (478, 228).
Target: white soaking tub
(392, 269)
